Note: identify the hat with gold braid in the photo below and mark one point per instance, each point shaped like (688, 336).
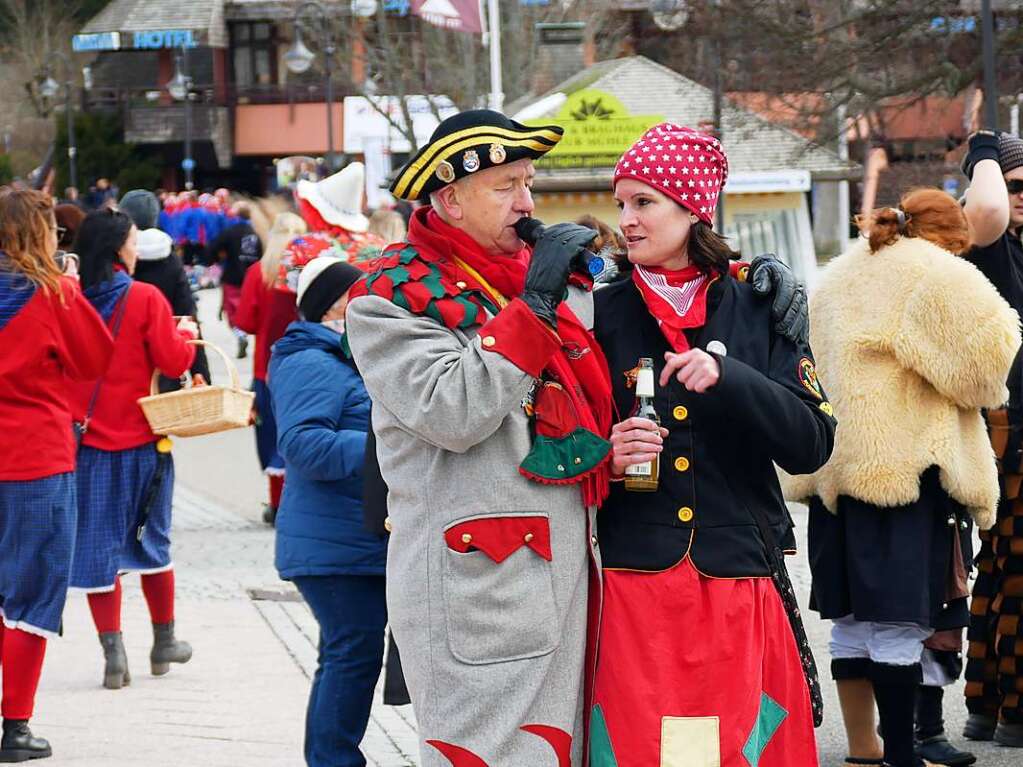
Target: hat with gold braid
(468, 142)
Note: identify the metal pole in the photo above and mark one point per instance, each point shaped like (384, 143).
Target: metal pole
(843, 186)
(990, 81)
(718, 127)
(494, 26)
(189, 163)
(328, 55)
(72, 147)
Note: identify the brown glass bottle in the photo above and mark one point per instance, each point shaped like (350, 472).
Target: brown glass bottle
(643, 477)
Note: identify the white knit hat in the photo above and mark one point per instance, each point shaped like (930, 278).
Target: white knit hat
(338, 198)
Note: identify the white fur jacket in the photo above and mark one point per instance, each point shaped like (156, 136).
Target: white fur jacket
(910, 343)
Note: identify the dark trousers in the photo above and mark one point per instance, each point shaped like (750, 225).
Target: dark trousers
(352, 613)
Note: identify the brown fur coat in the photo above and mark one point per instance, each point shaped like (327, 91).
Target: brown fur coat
(910, 343)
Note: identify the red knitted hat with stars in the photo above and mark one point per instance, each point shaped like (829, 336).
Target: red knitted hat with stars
(685, 164)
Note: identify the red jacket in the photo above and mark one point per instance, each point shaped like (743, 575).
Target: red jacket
(266, 312)
(44, 344)
(148, 339)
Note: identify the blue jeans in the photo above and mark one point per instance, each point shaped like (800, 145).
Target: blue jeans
(352, 614)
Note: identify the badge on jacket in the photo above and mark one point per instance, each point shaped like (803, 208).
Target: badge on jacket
(808, 377)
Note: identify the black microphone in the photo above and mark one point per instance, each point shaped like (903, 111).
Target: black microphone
(529, 230)
(600, 269)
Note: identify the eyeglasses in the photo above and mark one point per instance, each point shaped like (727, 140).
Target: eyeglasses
(60, 230)
(1015, 186)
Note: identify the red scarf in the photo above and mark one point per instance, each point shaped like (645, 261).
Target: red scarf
(583, 375)
(677, 299)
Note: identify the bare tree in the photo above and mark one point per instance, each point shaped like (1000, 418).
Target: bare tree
(819, 55)
(30, 30)
(390, 55)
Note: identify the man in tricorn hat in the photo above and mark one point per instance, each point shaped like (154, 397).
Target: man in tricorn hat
(491, 403)
(456, 333)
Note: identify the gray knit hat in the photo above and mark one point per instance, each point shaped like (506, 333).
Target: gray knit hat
(142, 206)
(1010, 152)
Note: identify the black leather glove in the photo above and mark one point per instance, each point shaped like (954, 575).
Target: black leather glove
(558, 251)
(771, 277)
(983, 146)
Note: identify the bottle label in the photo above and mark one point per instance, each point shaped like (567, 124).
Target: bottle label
(645, 383)
(640, 469)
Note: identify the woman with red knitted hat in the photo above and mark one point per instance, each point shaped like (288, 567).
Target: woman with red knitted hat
(701, 656)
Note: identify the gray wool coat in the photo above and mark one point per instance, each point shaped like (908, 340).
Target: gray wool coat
(487, 648)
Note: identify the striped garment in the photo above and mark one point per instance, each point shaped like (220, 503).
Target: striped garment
(37, 538)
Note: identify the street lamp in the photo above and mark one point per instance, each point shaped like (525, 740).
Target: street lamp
(299, 59)
(180, 89)
(49, 89)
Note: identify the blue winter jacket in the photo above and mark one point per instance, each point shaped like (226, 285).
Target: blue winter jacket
(322, 412)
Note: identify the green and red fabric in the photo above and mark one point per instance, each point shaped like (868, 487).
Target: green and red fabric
(733, 691)
(435, 274)
(361, 250)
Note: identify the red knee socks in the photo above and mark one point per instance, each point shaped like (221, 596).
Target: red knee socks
(106, 609)
(23, 664)
(276, 488)
(159, 591)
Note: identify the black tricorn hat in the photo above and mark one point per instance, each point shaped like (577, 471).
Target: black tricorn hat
(467, 142)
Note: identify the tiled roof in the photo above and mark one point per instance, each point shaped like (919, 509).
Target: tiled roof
(145, 15)
(751, 142)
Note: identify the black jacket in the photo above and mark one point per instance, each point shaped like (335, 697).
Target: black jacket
(1002, 263)
(241, 247)
(168, 275)
(717, 462)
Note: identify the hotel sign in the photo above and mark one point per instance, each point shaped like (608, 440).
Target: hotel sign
(164, 38)
(146, 40)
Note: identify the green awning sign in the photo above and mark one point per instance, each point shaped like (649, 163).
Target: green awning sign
(598, 129)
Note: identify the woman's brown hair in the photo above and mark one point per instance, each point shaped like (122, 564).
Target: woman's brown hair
(26, 221)
(929, 214)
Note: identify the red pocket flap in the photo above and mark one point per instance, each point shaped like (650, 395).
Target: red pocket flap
(500, 537)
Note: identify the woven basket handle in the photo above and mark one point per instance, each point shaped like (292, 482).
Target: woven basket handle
(231, 367)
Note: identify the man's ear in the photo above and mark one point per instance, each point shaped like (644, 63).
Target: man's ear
(450, 202)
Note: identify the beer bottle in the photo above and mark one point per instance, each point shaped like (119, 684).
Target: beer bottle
(642, 477)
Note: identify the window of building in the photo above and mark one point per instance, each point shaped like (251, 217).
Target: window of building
(253, 54)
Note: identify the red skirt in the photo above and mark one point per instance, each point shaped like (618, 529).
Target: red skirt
(697, 672)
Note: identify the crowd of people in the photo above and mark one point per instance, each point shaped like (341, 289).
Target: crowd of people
(540, 483)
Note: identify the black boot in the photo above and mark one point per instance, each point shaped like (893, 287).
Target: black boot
(167, 649)
(1010, 735)
(243, 347)
(19, 745)
(932, 744)
(115, 674)
(269, 514)
(895, 692)
(980, 727)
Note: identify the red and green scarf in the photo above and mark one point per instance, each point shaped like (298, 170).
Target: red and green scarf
(571, 405)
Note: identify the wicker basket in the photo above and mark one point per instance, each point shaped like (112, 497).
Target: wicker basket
(200, 409)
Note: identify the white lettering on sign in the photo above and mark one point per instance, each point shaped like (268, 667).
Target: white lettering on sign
(164, 38)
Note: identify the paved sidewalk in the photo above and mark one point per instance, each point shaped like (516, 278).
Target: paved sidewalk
(239, 702)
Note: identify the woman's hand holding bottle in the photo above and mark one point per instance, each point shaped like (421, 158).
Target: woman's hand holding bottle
(635, 441)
